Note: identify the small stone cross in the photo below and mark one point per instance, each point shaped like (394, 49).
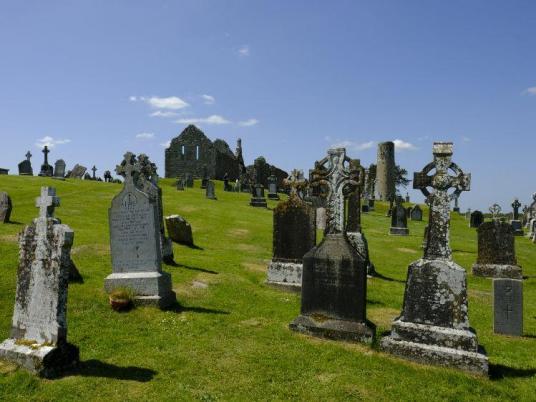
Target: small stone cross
(28, 156)
(495, 210)
(437, 240)
(46, 152)
(128, 167)
(296, 181)
(94, 169)
(340, 181)
(47, 202)
(516, 205)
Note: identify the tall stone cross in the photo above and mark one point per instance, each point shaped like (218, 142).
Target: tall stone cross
(339, 181)
(516, 205)
(495, 210)
(94, 169)
(353, 222)
(296, 181)
(46, 152)
(47, 202)
(28, 156)
(437, 240)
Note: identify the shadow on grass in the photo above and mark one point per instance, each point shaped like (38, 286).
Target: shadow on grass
(498, 372)
(375, 303)
(386, 278)
(96, 368)
(457, 250)
(178, 308)
(14, 223)
(207, 271)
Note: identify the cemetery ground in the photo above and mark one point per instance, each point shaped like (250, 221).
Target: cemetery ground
(228, 337)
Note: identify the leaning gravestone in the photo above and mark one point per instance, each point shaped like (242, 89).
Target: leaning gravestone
(5, 207)
(477, 218)
(135, 242)
(516, 222)
(399, 219)
(77, 172)
(354, 232)
(210, 192)
(38, 340)
(496, 251)
(179, 230)
(508, 306)
(334, 282)
(416, 213)
(433, 326)
(25, 167)
(294, 235)
(59, 169)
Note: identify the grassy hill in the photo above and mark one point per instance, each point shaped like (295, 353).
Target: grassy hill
(229, 339)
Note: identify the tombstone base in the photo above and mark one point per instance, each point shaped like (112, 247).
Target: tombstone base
(399, 231)
(358, 240)
(150, 288)
(285, 275)
(45, 361)
(497, 271)
(258, 202)
(330, 328)
(518, 227)
(273, 196)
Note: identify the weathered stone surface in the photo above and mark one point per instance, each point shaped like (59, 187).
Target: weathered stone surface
(433, 326)
(188, 180)
(272, 187)
(508, 306)
(59, 168)
(496, 251)
(46, 169)
(211, 190)
(180, 184)
(517, 227)
(399, 220)
(77, 172)
(257, 197)
(5, 207)
(38, 340)
(416, 213)
(25, 167)
(477, 218)
(321, 217)
(135, 242)
(385, 171)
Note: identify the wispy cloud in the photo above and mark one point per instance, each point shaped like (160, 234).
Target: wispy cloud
(145, 136)
(353, 145)
(248, 122)
(243, 50)
(166, 144)
(208, 99)
(401, 145)
(171, 102)
(214, 119)
(161, 113)
(50, 142)
(530, 91)
(466, 139)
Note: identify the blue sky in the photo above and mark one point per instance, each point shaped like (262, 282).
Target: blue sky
(97, 78)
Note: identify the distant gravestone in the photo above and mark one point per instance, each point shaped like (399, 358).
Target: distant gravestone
(364, 208)
(210, 190)
(272, 187)
(188, 180)
(294, 234)
(78, 172)
(226, 185)
(135, 242)
(258, 199)
(38, 340)
(496, 251)
(59, 168)
(205, 178)
(25, 167)
(416, 213)
(46, 169)
(516, 223)
(179, 230)
(5, 207)
(477, 218)
(508, 306)
(399, 220)
(180, 184)
(371, 204)
(108, 176)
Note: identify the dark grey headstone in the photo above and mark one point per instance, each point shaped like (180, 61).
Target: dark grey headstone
(59, 168)
(477, 218)
(25, 168)
(258, 199)
(508, 306)
(5, 207)
(416, 213)
(77, 172)
(399, 221)
(179, 230)
(210, 190)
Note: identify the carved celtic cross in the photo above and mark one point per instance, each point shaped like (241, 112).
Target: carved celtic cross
(296, 181)
(437, 241)
(47, 202)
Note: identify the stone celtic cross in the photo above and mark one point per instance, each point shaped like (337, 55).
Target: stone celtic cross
(296, 181)
(339, 181)
(128, 167)
(94, 169)
(437, 241)
(46, 151)
(28, 156)
(516, 205)
(495, 210)
(47, 202)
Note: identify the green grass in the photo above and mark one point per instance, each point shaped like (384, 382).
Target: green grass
(231, 340)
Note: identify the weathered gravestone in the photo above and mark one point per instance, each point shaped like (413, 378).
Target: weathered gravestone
(179, 230)
(399, 219)
(272, 187)
(257, 192)
(354, 232)
(205, 178)
(496, 251)
(334, 282)
(416, 213)
(25, 167)
(226, 185)
(321, 217)
(46, 169)
(433, 326)
(515, 222)
(188, 180)
(371, 202)
(135, 241)
(59, 169)
(38, 340)
(210, 190)
(477, 218)
(508, 306)
(391, 203)
(108, 176)
(77, 172)
(94, 170)
(180, 184)
(5, 207)
(294, 234)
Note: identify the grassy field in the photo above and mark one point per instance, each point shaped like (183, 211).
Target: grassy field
(230, 340)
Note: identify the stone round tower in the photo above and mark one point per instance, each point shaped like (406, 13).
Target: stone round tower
(385, 171)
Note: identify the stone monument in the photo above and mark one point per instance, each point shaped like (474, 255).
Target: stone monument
(5, 207)
(210, 192)
(508, 306)
(38, 340)
(416, 213)
(433, 326)
(399, 219)
(46, 169)
(257, 192)
(477, 218)
(272, 187)
(385, 171)
(515, 222)
(25, 167)
(59, 169)
(179, 230)
(77, 172)
(334, 282)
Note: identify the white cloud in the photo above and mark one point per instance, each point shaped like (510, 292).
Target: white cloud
(133, 98)
(160, 113)
(50, 142)
(401, 145)
(248, 122)
(213, 119)
(145, 136)
(166, 144)
(351, 145)
(243, 50)
(171, 102)
(208, 99)
(466, 139)
(530, 91)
